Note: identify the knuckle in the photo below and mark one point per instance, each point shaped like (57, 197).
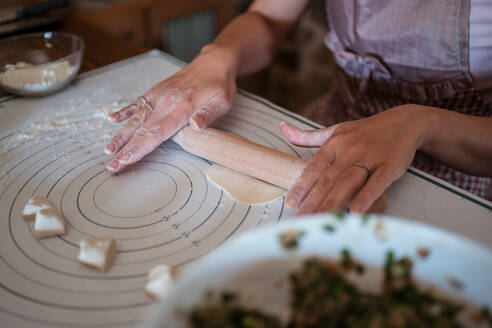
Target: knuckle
(137, 119)
(185, 104)
(156, 129)
(117, 140)
(141, 132)
(360, 148)
(165, 98)
(297, 191)
(304, 138)
(146, 112)
(223, 99)
(317, 189)
(129, 152)
(187, 97)
(353, 178)
(382, 177)
(325, 180)
(315, 167)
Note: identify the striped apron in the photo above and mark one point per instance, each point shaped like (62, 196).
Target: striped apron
(390, 53)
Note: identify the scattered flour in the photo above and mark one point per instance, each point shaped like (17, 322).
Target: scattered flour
(36, 78)
(105, 111)
(79, 124)
(81, 119)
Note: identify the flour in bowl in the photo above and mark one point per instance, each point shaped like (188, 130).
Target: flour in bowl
(36, 78)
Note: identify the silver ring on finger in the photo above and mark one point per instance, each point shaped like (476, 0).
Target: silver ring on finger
(362, 165)
(146, 103)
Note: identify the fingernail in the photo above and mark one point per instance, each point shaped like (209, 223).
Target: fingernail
(114, 116)
(291, 202)
(197, 122)
(125, 158)
(109, 149)
(113, 165)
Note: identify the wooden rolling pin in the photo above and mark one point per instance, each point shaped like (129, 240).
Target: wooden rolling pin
(256, 160)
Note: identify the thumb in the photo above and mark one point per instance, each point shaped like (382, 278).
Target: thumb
(207, 113)
(307, 138)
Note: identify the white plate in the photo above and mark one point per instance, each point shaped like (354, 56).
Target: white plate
(257, 266)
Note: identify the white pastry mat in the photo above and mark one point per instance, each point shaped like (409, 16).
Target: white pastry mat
(161, 210)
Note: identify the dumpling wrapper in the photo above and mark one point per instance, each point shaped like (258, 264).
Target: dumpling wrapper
(243, 188)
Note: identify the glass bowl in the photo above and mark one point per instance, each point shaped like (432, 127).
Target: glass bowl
(38, 64)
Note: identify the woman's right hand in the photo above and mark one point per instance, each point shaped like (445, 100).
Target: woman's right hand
(196, 95)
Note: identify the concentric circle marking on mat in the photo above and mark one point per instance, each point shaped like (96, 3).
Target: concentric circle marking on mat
(161, 191)
(81, 191)
(181, 217)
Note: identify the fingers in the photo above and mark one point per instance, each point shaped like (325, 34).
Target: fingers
(167, 102)
(146, 130)
(124, 113)
(347, 184)
(147, 138)
(314, 169)
(307, 138)
(379, 181)
(127, 131)
(114, 166)
(323, 186)
(206, 114)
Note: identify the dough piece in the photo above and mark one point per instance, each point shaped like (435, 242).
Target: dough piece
(159, 281)
(34, 205)
(242, 187)
(49, 222)
(98, 253)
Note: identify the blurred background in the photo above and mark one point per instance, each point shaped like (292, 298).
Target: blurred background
(117, 29)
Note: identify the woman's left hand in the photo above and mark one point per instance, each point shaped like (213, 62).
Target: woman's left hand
(357, 160)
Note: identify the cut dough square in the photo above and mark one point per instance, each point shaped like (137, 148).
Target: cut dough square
(34, 205)
(159, 281)
(98, 253)
(49, 222)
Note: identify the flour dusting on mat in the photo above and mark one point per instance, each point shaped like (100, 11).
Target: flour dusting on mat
(73, 124)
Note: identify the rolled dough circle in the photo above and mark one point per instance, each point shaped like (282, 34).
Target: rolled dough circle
(243, 188)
